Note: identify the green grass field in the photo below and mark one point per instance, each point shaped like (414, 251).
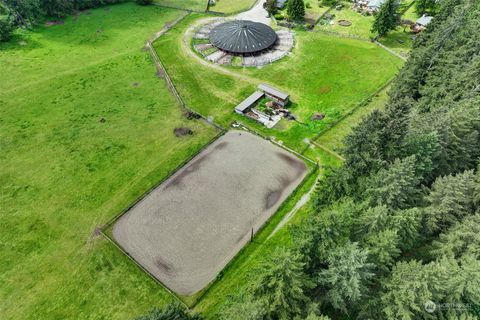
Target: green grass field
(324, 74)
(232, 6)
(86, 127)
(66, 172)
(194, 5)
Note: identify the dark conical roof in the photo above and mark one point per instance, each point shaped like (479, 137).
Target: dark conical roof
(242, 36)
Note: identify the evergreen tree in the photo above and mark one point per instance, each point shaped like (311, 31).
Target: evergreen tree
(383, 248)
(462, 239)
(450, 200)
(6, 23)
(395, 186)
(387, 18)
(423, 6)
(144, 2)
(282, 286)
(346, 277)
(407, 224)
(243, 307)
(320, 234)
(412, 284)
(57, 8)
(270, 6)
(171, 312)
(296, 9)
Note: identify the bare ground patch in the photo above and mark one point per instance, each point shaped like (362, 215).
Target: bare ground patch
(187, 230)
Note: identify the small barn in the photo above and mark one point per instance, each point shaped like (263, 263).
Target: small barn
(246, 104)
(276, 95)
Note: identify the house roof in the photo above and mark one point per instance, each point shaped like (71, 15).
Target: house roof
(280, 3)
(375, 3)
(247, 103)
(272, 91)
(424, 20)
(242, 36)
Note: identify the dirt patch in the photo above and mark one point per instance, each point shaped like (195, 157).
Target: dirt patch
(185, 231)
(160, 73)
(317, 117)
(293, 162)
(53, 23)
(164, 266)
(190, 169)
(191, 115)
(324, 89)
(136, 84)
(182, 131)
(344, 23)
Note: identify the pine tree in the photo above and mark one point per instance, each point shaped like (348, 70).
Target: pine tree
(281, 286)
(407, 224)
(462, 239)
(270, 6)
(296, 9)
(395, 186)
(423, 6)
(171, 312)
(387, 18)
(346, 278)
(450, 200)
(383, 248)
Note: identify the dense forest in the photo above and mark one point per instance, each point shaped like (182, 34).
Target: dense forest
(396, 230)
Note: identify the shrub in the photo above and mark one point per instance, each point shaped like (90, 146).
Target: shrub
(308, 5)
(279, 16)
(6, 27)
(144, 2)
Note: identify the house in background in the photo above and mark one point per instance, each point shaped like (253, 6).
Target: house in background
(281, 4)
(421, 23)
(368, 6)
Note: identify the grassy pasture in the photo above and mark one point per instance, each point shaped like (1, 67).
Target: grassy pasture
(232, 6)
(194, 5)
(86, 127)
(324, 74)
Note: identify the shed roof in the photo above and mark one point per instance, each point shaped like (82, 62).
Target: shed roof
(272, 91)
(424, 20)
(247, 103)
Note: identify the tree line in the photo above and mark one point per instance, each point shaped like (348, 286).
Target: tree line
(396, 229)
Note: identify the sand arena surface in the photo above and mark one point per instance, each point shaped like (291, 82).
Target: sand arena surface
(185, 231)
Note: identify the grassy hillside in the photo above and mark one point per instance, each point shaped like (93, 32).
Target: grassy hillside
(86, 127)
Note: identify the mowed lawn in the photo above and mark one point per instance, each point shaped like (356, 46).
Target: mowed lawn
(86, 127)
(324, 74)
(232, 6)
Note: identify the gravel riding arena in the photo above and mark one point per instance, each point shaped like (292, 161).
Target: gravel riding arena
(186, 230)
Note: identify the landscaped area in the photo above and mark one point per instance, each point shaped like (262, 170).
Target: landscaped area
(90, 125)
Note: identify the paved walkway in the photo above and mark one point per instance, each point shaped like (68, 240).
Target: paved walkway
(257, 14)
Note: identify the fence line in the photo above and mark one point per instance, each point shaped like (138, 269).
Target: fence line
(389, 50)
(349, 113)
